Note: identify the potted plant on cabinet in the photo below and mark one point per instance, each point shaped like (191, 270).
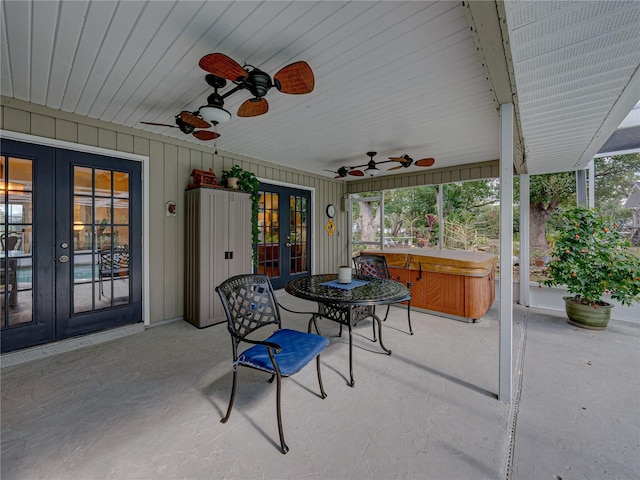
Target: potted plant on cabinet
(592, 258)
(231, 178)
(246, 182)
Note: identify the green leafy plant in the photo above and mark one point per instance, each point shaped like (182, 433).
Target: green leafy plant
(247, 182)
(234, 172)
(592, 258)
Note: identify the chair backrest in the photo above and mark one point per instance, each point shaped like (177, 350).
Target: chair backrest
(116, 261)
(249, 303)
(10, 240)
(371, 265)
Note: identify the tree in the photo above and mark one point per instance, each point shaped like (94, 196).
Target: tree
(406, 207)
(547, 192)
(614, 178)
(459, 199)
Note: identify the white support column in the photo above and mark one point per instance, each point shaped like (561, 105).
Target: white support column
(440, 219)
(592, 185)
(581, 187)
(505, 387)
(524, 238)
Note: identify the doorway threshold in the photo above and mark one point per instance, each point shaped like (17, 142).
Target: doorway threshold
(41, 351)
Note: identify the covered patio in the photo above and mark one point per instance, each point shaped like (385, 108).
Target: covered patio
(559, 76)
(149, 405)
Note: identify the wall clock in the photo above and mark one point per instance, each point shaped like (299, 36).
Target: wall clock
(331, 211)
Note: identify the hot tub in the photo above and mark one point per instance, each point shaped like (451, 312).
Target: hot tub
(457, 283)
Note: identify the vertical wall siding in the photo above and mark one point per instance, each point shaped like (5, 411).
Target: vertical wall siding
(170, 164)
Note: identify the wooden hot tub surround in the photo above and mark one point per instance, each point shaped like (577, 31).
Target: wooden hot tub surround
(453, 282)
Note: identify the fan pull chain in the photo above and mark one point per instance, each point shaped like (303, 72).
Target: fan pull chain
(215, 140)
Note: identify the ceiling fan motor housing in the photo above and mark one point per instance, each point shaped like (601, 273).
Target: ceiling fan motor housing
(184, 126)
(258, 83)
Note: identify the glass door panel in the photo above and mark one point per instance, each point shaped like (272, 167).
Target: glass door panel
(16, 236)
(27, 216)
(298, 229)
(269, 239)
(101, 238)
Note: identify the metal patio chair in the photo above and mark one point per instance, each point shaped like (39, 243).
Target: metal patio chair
(371, 265)
(112, 264)
(250, 304)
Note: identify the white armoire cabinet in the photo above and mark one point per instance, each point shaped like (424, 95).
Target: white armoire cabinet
(217, 246)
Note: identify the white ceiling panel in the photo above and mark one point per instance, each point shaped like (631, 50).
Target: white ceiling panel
(572, 61)
(392, 77)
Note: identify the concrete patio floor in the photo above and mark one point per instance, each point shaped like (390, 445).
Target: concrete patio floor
(148, 406)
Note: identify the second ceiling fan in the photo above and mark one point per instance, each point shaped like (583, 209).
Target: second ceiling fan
(372, 166)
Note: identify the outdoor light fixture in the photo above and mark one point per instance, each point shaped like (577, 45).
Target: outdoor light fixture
(371, 169)
(214, 114)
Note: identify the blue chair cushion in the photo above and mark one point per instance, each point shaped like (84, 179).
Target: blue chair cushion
(298, 349)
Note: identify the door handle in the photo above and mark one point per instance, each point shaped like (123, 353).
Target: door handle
(63, 258)
(287, 244)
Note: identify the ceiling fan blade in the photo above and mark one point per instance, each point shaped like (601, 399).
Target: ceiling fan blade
(357, 173)
(251, 108)
(205, 135)
(396, 167)
(425, 162)
(397, 159)
(295, 79)
(222, 66)
(194, 121)
(159, 124)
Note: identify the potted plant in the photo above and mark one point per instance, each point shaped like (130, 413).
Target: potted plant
(246, 182)
(231, 178)
(592, 258)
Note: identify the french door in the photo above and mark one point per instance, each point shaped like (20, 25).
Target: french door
(71, 230)
(284, 219)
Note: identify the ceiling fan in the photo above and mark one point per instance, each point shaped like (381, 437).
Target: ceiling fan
(372, 166)
(187, 122)
(295, 79)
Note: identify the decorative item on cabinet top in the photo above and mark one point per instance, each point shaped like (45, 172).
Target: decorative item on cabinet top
(203, 178)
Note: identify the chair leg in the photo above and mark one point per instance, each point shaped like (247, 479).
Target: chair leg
(322, 392)
(409, 317)
(373, 326)
(233, 396)
(283, 446)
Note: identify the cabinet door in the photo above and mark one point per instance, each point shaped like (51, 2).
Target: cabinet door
(239, 239)
(214, 243)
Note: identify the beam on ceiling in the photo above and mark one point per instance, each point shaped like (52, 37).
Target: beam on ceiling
(488, 24)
